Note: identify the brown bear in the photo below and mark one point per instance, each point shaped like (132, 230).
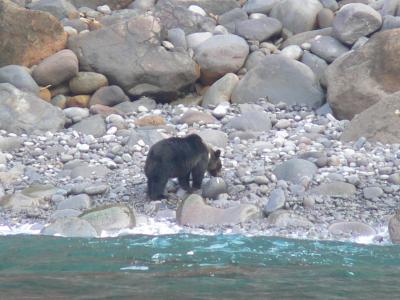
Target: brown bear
(179, 157)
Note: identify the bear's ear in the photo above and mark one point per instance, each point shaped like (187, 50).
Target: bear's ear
(217, 153)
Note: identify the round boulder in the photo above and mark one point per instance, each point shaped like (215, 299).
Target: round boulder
(109, 96)
(57, 68)
(294, 170)
(19, 77)
(221, 54)
(87, 83)
(70, 227)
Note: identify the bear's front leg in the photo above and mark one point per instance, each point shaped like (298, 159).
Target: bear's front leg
(156, 187)
(198, 175)
(184, 181)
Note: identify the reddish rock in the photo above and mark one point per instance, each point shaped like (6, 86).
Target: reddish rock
(30, 36)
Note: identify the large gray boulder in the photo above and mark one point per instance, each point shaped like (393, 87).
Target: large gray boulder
(22, 112)
(297, 16)
(394, 228)
(378, 123)
(374, 73)
(221, 54)
(70, 227)
(129, 54)
(19, 77)
(272, 79)
(355, 20)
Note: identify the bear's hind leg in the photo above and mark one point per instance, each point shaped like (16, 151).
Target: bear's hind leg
(184, 181)
(156, 187)
(198, 175)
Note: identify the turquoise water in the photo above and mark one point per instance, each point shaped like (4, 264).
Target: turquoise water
(195, 267)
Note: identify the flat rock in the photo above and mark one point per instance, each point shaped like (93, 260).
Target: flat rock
(286, 219)
(93, 125)
(221, 54)
(294, 170)
(355, 20)
(353, 229)
(77, 202)
(19, 77)
(22, 112)
(351, 91)
(70, 227)
(194, 212)
(110, 218)
(260, 29)
(270, 80)
(251, 121)
(23, 27)
(328, 48)
(336, 189)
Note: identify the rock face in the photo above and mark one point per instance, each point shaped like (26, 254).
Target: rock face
(110, 218)
(23, 27)
(136, 62)
(221, 54)
(271, 79)
(194, 212)
(22, 112)
(297, 16)
(378, 123)
(355, 20)
(57, 68)
(373, 75)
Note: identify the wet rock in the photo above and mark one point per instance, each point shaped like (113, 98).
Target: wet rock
(194, 212)
(221, 90)
(214, 187)
(394, 228)
(269, 80)
(70, 227)
(23, 27)
(77, 202)
(336, 189)
(275, 201)
(19, 77)
(110, 218)
(287, 219)
(294, 170)
(355, 20)
(22, 112)
(353, 229)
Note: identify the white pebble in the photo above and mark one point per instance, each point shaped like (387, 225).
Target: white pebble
(197, 10)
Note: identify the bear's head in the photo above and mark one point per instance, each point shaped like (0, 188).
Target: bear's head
(214, 162)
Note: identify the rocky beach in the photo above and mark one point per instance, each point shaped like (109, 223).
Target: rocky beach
(301, 97)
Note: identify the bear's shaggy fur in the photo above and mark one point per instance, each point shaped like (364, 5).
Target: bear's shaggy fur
(179, 157)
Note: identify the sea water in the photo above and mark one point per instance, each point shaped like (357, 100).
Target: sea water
(188, 266)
